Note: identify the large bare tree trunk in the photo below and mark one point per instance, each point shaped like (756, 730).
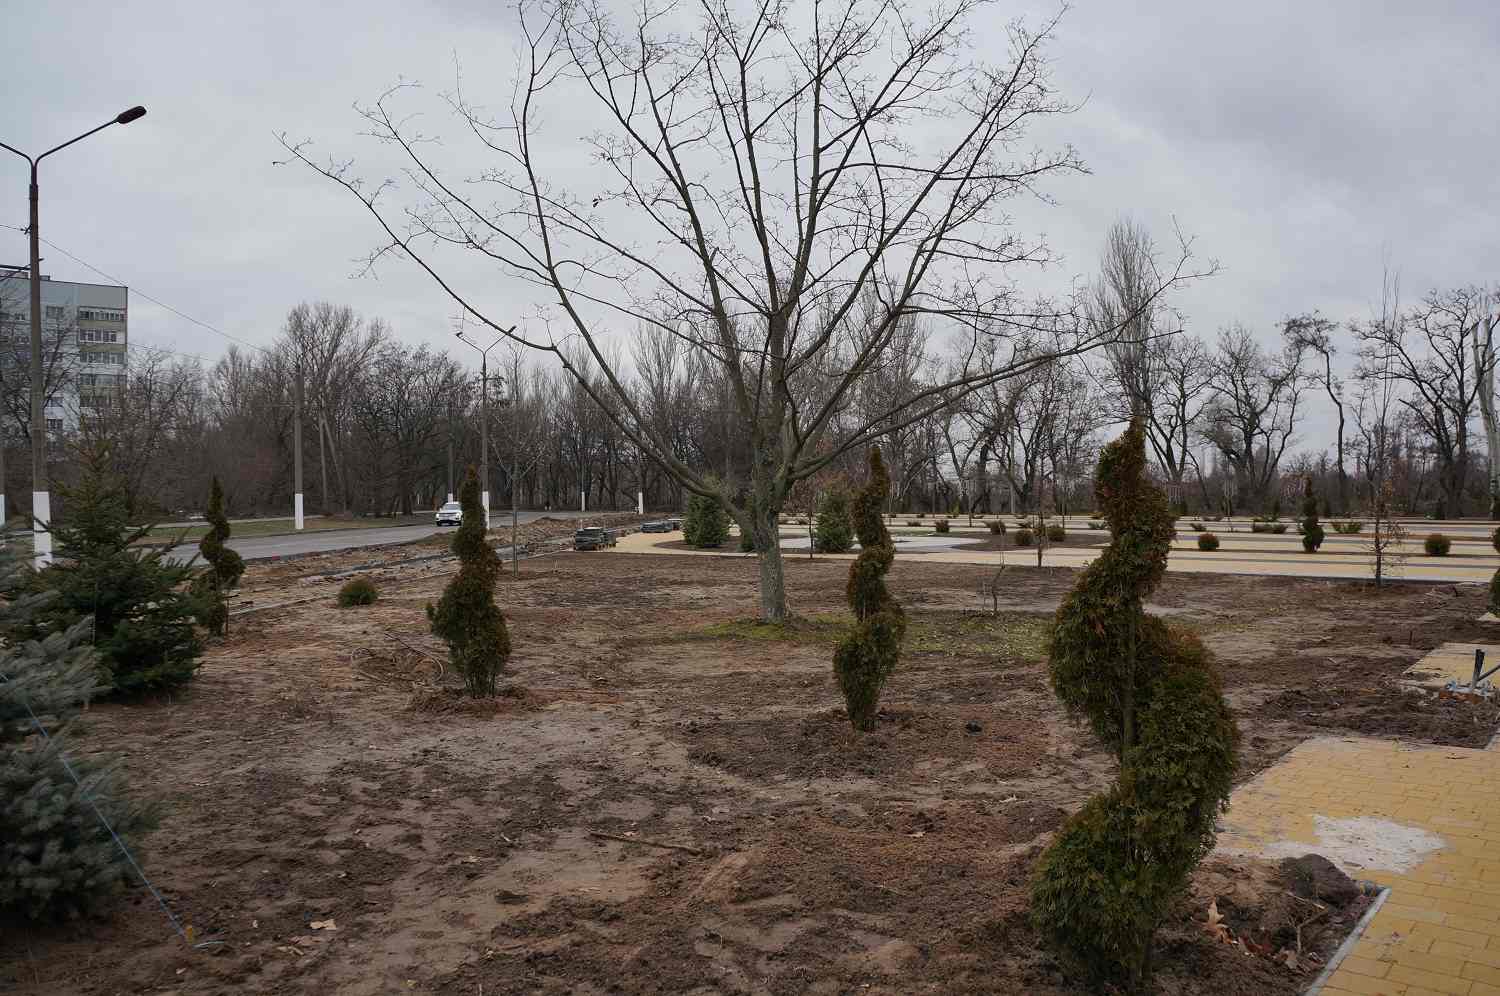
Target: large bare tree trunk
(1484, 365)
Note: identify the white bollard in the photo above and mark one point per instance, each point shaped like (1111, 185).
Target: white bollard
(297, 511)
(41, 511)
(485, 500)
(640, 503)
(583, 501)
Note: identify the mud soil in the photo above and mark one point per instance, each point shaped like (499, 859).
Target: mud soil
(669, 800)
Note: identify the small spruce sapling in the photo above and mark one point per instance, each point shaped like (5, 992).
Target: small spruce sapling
(466, 617)
(56, 859)
(706, 524)
(142, 616)
(835, 533)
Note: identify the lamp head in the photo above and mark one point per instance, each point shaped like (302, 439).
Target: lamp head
(134, 113)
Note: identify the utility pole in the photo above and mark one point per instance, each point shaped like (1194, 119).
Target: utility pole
(297, 447)
(41, 494)
(484, 425)
(4, 429)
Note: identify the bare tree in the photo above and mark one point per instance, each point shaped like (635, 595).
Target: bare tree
(1182, 377)
(1125, 296)
(1255, 409)
(331, 347)
(141, 414)
(1429, 351)
(753, 180)
(1314, 333)
(1485, 359)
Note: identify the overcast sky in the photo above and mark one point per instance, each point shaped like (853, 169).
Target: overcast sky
(1301, 143)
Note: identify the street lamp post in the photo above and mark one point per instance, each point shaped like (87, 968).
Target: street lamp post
(41, 497)
(484, 424)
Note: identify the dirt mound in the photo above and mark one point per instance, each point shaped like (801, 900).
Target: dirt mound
(1387, 709)
(453, 701)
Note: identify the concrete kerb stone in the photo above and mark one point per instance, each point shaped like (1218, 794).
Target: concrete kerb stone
(1350, 943)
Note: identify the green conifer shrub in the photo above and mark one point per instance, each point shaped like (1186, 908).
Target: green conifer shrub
(225, 567)
(1024, 537)
(1495, 594)
(867, 656)
(466, 617)
(834, 533)
(142, 616)
(996, 527)
(1437, 545)
(1495, 539)
(1057, 533)
(1275, 509)
(1312, 529)
(360, 591)
(706, 524)
(56, 859)
(940, 526)
(1151, 694)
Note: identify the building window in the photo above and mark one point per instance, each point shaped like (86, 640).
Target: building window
(54, 311)
(100, 315)
(54, 425)
(98, 335)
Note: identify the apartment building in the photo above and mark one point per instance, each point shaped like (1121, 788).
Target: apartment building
(85, 335)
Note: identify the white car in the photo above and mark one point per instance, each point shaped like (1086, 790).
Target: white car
(451, 514)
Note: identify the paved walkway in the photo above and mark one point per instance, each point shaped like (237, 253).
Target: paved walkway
(1424, 821)
(1239, 553)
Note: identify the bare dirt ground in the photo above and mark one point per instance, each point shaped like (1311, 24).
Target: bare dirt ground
(670, 800)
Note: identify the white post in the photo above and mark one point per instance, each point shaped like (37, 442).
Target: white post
(583, 501)
(41, 510)
(484, 499)
(297, 509)
(640, 502)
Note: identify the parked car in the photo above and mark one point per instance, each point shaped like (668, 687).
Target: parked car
(451, 514)
(660, 526)
(593, 538)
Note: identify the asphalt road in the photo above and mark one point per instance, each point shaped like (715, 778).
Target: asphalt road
(322, 541)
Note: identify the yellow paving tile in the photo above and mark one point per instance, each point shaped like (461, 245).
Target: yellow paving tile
(1424, 821)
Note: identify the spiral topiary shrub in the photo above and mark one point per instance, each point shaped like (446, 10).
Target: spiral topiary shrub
(1208, 542)
(225, 567)
(867, 656)
(359, 591)
(1437, 545)
(1151, 694)
(466, 617)
(1312, 529)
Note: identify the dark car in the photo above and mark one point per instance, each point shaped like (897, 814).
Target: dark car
(593, 538)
